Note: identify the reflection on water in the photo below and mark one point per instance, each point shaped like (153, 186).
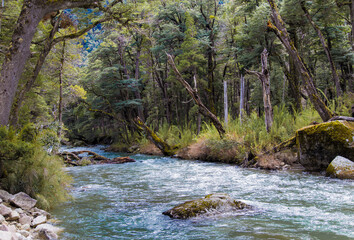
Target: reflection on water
(126, 201)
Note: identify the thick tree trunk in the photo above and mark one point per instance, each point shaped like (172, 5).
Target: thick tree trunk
(13, 66)
(325, 48)
(21, 94)
(265, 79)
(282, 34)
(202, 109)
(17, 56)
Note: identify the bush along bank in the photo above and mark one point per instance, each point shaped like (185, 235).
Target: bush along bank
(20, 219)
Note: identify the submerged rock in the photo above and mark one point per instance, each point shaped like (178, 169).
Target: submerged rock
(341, 168)
(212, 203)
(319, 144)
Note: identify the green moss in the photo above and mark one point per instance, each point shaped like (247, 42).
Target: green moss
(338, 131)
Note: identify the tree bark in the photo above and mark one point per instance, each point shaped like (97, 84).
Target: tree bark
(325, 48)
(60, 110)
(165, 148)
(278, 26)
(242, 96)
(226, 108)
(265, 79)
(202, 109)
(13, 66)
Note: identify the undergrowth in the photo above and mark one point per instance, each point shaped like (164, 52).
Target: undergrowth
(26, 166)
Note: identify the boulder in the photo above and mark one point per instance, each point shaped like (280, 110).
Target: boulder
(39, 220)
(4, 235)
(47, 235)
(319, 144)
(210, 204)
(47, 231)
(23, 201)
(5, 211)
(341, 168)
(5, 196)
(24, 219)
(13, 216)
(2, 219)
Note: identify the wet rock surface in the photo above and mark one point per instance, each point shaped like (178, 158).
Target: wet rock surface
(211, 204)
(319, 144)
(341, 167)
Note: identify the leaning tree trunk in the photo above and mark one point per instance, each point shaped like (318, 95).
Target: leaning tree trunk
(325, 48)
(14, 63)
(265, 79)
(278, 26)
(202, 109)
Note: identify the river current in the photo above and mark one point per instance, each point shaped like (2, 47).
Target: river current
(126, 201)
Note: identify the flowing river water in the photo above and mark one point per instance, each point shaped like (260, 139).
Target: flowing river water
(126, 201)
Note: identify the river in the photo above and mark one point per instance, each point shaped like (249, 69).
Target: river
(126, 201)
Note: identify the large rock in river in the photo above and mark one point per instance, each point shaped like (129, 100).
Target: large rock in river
(212, 203)
(341, 167)
(319, 144)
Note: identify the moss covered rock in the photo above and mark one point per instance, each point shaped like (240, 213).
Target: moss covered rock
(319, 144)
(210, 204)
(341, 168)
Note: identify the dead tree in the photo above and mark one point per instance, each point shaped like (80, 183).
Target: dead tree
(265, 80)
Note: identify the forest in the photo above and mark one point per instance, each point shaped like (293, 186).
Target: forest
(226, 79)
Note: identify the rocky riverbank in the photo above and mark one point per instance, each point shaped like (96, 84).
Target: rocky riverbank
(20, 219)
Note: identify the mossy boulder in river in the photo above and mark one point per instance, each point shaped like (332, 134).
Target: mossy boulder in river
(341, 167)
(319, 144)
(210, 204)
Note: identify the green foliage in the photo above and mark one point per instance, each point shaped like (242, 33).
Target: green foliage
(176, 136)
(25, 166)
(251, 134)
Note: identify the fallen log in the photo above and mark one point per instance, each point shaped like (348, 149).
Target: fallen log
(117, 160)
(67, 155)
(165, 148)
(96, 156)
(345, 118)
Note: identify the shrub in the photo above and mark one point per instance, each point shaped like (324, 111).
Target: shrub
(26, 166)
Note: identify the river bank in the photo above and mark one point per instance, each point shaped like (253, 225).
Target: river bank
(21, 220)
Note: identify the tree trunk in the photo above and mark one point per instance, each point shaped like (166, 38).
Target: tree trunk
(137, 76)
(61, 73)
(21, 94)
(13, 66)
(202, 109)
(265, 79)
(325, 48)
(166, 149)
(242, 96)
(226, 112)
(282, 34)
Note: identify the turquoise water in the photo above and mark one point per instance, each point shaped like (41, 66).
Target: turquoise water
(126, 201)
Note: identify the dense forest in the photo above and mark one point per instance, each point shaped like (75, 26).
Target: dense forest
(222, 73)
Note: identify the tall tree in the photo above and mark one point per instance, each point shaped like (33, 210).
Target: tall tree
(13, 66)
(325, 48)
(278, 26)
